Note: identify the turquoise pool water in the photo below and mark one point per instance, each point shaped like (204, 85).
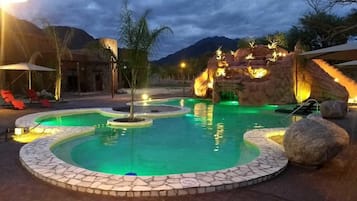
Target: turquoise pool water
(209, 138)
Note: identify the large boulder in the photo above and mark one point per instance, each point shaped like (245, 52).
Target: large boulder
(333, 109)
(313, 141)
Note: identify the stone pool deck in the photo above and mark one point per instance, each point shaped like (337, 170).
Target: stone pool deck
(337, 180)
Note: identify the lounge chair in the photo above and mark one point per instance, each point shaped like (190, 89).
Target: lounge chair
(34, 97)
(306, 109)
(9, 98)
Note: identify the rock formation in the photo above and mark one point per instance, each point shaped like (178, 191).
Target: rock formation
(333, 109)
(289, 79)
(314, 141)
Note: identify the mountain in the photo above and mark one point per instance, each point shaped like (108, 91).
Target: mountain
(79, 39)
(19, 26)
(202, 47)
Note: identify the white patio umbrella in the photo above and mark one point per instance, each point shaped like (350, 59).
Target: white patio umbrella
(345, 52)
(26, 67)
(349, 64)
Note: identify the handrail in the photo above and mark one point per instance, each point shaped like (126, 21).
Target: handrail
(304, 104)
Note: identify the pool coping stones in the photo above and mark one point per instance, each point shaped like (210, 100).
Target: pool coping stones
(38, 159)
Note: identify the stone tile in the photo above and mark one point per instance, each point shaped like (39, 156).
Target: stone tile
(175, 176)
(139, 182)
(145, 193)
(207, 179)
(182, 192)
(89, 178)
(74, 181)
(129, 178)
(173, 180)
(105, 187)
(85, 184)
(160, 178)
(176, 185)
(95, 184)
(189, 182)
(162, 188)
(189, 175)
(141, 188)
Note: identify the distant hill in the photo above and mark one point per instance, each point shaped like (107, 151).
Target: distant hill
(18, 25)
(202, 47)
(80, 38)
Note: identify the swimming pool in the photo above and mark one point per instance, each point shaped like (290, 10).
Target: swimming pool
(38, 158)
(208, 138)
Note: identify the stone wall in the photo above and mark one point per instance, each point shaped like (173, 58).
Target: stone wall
(277, 88)
(323, 86)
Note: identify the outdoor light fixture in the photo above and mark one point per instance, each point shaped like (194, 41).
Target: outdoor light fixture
(257, 72)
(302, 91)
(210, 85)
(20, 131)
(221, 72)
(352, 100)
(182, 65)
(145, 97)
(7, 2)
(182, 102)
(250, 56)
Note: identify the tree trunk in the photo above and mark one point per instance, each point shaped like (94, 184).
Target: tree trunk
(58, 81)
(132, 93)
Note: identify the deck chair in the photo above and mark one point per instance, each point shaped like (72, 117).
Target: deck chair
(9, 98)
(34, 97)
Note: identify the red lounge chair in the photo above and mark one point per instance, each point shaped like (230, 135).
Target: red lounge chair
(9, 98)
(45, 103)
(34, 97)
(20, 105)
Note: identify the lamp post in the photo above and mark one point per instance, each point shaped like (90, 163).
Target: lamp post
(182, 67)
(112, 68)
(3, 5)
(7, 2)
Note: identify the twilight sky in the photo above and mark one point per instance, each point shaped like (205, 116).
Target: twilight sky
(191, 20)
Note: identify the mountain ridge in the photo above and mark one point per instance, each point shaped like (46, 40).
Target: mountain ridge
(204, 46)
(79, 39)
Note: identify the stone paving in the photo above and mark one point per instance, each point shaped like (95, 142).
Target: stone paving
(42, 163)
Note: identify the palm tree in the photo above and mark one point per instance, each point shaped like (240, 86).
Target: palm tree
(61, 49)
(139, 41)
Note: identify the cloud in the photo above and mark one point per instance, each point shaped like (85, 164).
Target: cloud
(190, 20)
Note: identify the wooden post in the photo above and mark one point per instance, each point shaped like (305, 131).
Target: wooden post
(111, 64)
(78, 79)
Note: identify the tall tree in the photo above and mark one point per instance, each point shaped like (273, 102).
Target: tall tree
(320, 6)
(326, 29)
(137, 37)
(342, 1)
(318, 30)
